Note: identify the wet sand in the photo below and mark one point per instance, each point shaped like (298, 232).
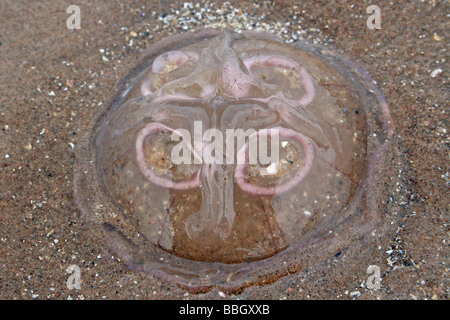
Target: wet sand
(54, 81)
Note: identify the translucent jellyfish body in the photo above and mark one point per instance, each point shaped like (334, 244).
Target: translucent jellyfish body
(166, 168)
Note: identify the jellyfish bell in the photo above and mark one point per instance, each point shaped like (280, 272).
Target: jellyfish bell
(235, 219)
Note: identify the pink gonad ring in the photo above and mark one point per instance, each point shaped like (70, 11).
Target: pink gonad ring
(146, 169)
(294, 176)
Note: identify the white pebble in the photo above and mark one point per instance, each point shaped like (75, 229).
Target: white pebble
(435, 73)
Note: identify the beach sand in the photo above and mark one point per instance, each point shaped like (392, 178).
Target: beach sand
(54, 81)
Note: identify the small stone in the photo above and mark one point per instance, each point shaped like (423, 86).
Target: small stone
(435, 73)
(437, 37)
(133, 34)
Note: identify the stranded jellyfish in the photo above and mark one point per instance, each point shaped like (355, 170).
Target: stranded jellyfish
(230, 159)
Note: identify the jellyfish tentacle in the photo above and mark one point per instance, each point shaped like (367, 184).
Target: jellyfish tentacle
(216, 212)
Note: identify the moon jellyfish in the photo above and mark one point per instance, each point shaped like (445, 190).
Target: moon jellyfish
(228, 159)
